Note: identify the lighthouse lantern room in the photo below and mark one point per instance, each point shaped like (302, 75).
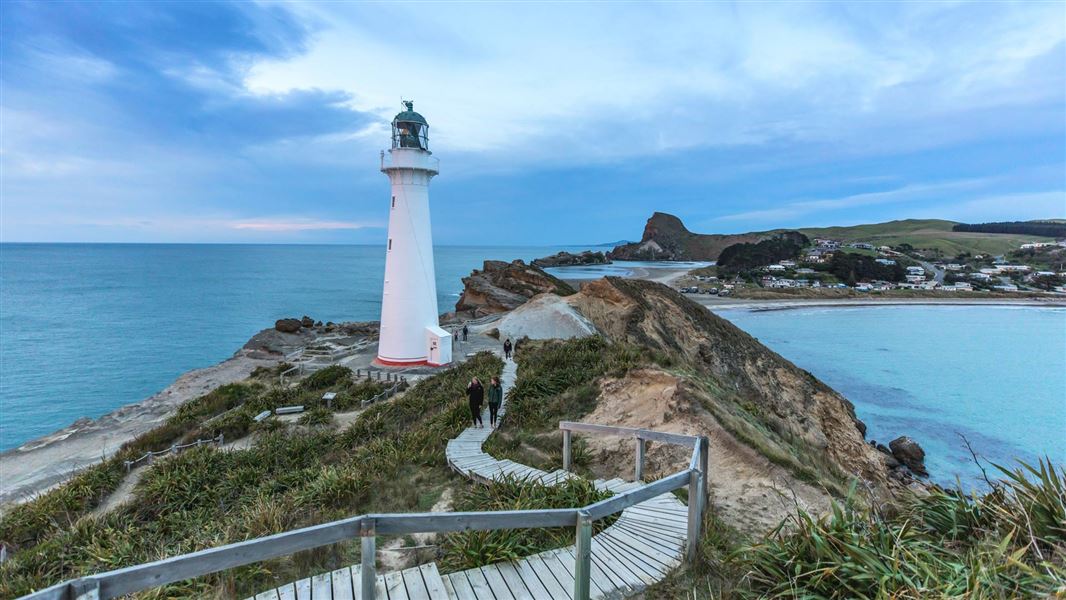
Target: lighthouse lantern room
(410, 329)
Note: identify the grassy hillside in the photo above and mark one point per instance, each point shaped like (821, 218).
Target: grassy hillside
(924, 233)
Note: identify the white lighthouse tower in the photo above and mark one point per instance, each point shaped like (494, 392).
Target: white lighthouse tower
(410, 330)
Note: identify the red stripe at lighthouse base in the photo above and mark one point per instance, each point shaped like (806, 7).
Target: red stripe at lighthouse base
(415, 362)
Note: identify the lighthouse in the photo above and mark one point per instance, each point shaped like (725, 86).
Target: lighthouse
(410, 330)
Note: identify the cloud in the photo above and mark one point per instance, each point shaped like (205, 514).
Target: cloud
(300, 225)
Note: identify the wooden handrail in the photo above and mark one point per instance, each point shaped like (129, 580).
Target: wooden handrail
(136, 578)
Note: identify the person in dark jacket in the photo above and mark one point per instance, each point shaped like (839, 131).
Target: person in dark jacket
(475, 394)
(495, 399)
(465, 332)
(507, 348)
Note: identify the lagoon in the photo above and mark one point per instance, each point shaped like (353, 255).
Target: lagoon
(992, 375)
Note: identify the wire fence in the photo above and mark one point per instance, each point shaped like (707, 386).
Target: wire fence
(174, 449)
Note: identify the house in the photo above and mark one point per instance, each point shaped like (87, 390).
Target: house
(1014, 268)
(861, 246)
(805, 271)
(911, 278)
(913, 270)
(775, 268)
(1010, 287)
(787, 263)
(980, 276)
(885, 261)
(953, 267)
(818, 256)
(826, 244)
(988, 271)
(1035, 245)
(962, 285)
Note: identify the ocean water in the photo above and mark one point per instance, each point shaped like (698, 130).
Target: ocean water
(87, 328)
(993, 375)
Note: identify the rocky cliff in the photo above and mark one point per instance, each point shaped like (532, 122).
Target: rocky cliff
(501, 286)
(666, 238)
(567, 259)
(763, 398)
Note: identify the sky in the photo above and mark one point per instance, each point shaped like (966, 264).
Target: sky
(554, 123)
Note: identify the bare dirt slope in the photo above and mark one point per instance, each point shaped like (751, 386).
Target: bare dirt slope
(751, 493)
(755, 393)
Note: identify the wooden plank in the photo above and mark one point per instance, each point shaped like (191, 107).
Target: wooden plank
(687, 441)
(648, 550)
(267, 595)
(461, 586)
(556, 588)
(416, 586)
(515, 583)
(652, 568)
(321, 587)
(600, 580)
(497, 583)
(357, 581)
(434, 584)
(479, 584)
(624, 558)
(667, 543)
(565, 558)
(287, 592)
(615, 569)
(303, 589)
(530, 578)
(342, 584)
(616, 503)
(394, 586)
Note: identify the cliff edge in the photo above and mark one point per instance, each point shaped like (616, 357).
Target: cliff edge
(666, 238)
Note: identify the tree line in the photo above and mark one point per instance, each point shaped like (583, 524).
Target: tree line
(1041, 228)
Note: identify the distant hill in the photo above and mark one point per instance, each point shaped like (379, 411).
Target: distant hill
(666, 238)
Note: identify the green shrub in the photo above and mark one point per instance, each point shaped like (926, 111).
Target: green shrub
(317, 417)
(326, 378)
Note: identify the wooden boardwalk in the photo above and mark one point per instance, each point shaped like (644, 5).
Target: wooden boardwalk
(645, 543)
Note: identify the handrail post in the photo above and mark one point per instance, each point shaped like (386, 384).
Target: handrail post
(566, 449)
(639, 475)
(367, 531)
(583, 556)
(694, 521)
(704, 445)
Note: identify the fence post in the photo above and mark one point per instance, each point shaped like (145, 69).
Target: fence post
(694, 521)
(583, 556)
(640, 460)
(367, 530)
(704, 459)
(566, 449)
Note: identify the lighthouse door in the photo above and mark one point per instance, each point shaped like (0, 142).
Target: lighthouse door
(439, 344)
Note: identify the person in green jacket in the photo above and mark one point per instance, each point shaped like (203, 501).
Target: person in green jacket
(495, 398)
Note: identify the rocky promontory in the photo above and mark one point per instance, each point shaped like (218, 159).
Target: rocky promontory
(568, 259)
(666, 238)
(501, 286)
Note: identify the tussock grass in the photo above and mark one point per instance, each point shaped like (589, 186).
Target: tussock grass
(470, 549)
(389, 459)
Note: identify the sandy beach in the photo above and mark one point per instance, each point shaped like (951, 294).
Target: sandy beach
(41, 463)
(716, 303)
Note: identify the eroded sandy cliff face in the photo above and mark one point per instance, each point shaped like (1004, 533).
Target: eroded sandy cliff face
(751, 390)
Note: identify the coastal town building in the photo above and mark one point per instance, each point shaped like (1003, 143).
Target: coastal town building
(410, 329)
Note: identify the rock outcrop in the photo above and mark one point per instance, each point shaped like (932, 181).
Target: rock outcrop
(567, 259)
(288, 325)
(800, 415)
(908, 452)
(666, 238)
(500, 286)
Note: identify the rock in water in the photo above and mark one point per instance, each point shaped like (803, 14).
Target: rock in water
(288, 325)
(566, 259)
(501, 286)
(307, 321)
(908, 452)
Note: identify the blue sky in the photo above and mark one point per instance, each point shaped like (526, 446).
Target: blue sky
(554, 123)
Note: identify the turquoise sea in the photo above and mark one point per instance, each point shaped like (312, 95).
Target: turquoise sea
(86, 328)
(994, 375)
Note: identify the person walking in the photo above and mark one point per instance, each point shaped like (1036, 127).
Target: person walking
(465, 331)
(507, 348)
(475, 395)
(495, 399)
